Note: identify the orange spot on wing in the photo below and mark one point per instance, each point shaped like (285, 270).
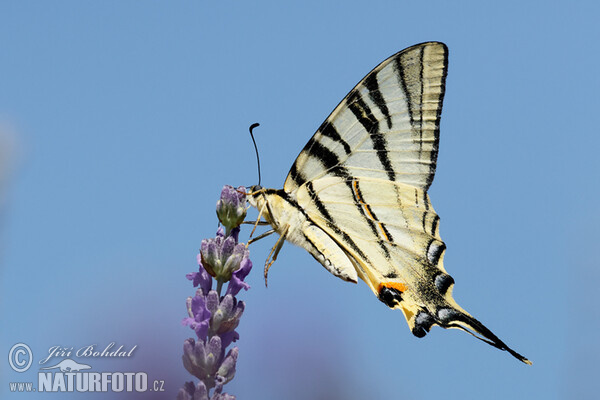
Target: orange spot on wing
(401, 287)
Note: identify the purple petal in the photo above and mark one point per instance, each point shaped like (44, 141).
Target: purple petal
(186, 392)
(188, 321)
(212, 301)
(228, 337)
(229, 194)
(237, 278)
(228, 248)
(214, 355)
(191, 392)
(214, 347)
(193, 358)
(201, 317)
(199, 309)
(226, 305)
(200, 278)
(201, 392)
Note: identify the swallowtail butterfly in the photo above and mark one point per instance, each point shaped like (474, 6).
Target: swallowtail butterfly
(356, 197)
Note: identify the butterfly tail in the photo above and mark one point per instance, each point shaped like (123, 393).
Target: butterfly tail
(452, 318)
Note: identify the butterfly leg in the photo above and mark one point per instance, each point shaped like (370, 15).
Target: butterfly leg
(275, 251)
(262, 235)
(257, 222)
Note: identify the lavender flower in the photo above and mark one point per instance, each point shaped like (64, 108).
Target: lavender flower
(222, 256)
(214, 318)
(199, 315)
(231, 207)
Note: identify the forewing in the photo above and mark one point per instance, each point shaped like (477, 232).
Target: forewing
(387, 127)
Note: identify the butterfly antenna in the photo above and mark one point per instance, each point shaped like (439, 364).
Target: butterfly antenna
(254, 125)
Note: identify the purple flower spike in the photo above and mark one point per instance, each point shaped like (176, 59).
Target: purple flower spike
(213, 317)
(231, 207)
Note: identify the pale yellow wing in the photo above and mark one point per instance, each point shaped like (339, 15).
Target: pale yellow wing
(356, 196)
(390, 232)
(387, 127)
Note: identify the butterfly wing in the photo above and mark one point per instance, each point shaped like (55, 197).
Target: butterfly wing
(390, 233)
(387, 127)
(363, 178)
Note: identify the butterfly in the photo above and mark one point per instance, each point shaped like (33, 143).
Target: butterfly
(356, 197)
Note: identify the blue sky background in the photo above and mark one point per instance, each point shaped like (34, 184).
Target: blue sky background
(121, 121)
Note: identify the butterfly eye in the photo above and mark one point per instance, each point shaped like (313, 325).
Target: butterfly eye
(255, 191)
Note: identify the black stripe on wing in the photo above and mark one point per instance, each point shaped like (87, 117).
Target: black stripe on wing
(376, 97)
(298, 178)
(451, 318)
(436, 133)
(363, 114)
(331, 222)
(314, 148)
(399, 69)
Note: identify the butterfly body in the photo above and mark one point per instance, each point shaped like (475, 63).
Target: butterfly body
(356, 197)
(282, 212)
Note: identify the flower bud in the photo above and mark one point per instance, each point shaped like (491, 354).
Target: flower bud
(231, 207)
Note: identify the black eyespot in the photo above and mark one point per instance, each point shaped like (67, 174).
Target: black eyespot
(447, 315)
(423, 323)
(390, 296)
(435, 249)
(443, 282)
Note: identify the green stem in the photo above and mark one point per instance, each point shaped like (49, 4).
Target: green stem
(219, 286)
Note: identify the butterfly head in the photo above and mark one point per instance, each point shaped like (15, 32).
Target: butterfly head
(270, 205)
(256, 196)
